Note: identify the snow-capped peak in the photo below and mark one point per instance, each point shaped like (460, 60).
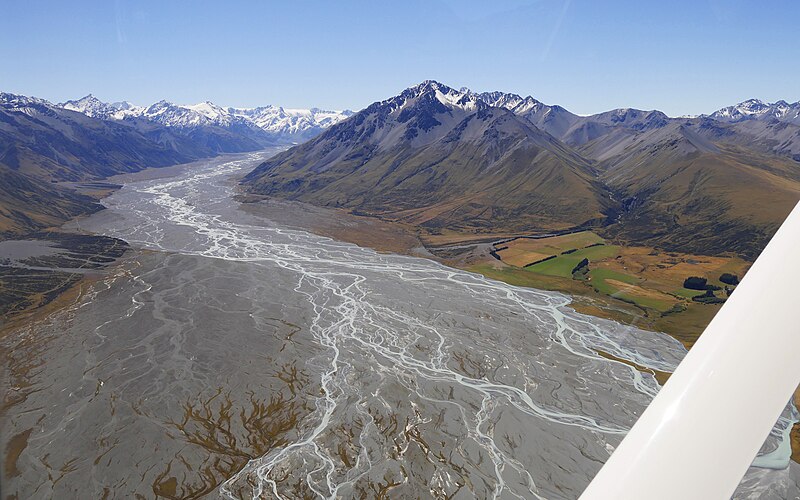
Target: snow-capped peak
(512, 102)
(172, 115)
(755, 109)
(123, 106)
(209, 110)
(19, 101)
(431, 90)
(31, 106)
(752, 107)
(290, 124)
(90, 105)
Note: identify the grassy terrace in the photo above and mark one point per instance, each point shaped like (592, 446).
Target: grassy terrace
(636, 285)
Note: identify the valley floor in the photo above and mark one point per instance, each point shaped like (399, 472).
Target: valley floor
(634, 285)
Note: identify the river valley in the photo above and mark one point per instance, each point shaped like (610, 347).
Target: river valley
(231, 356)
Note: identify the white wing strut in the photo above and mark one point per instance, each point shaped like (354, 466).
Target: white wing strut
(703, 429)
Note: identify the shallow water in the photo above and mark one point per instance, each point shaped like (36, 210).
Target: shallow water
(250, 360)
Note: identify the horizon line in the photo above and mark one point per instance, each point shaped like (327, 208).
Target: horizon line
(354, 110)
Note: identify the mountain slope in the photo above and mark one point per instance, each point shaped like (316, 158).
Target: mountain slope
(42, 144)
(28, 204)
(439, 158)
(553, 119)
(88, 139)
(573, 129)
(40, 139)
(682, 191)
(443, 159)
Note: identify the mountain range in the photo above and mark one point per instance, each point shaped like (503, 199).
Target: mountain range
(496, 163)
(270, 124)
(445, 160)
(43, 145)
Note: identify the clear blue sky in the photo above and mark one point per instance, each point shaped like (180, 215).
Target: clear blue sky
(681, 57)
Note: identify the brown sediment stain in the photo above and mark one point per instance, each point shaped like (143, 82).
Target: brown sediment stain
(104, 442)
(382, 489)
(233, 432)
(66, 468)
(470, 367)
(292, 377)
(661, 376)
(402, 441)
(26, 356)
(288, 337)
(347, 449)
(166, 486)
(16, 445)
(68, 297)
(30, 345)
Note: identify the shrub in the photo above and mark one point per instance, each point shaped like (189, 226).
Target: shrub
(708, 298)
(583, 263)
(695, 283)
(539, 261)
(676, 308)
(729, 279)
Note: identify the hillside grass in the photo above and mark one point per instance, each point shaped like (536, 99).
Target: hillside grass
(600, 275)
(686, 293)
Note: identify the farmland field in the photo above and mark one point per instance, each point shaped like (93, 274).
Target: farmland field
(621, 279)
(564, 264)
(522, 251)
